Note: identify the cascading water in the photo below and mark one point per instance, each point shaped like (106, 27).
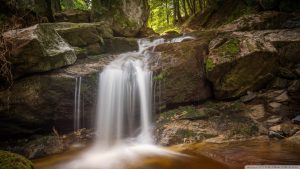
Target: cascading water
(77, 104)
(124, 112)
(124, 100)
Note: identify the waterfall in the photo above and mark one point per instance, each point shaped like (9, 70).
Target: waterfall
(125, 97)
(77, 104)
(124, 100)
(124, 111)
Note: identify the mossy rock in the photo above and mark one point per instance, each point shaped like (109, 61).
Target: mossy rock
(239, 65)
(10, 160)
(38, 49)
(186, 57)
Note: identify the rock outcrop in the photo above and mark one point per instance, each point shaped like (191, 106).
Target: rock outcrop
(246, 61)
(263, 21)
(37, 49)
(37, 103)
(179, 72)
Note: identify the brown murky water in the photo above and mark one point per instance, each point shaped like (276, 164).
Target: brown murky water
(204, 156)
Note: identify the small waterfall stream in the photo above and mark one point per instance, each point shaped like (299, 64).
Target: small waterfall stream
(124, 111)
(77, 105)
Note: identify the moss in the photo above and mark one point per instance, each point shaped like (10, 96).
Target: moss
(209, 65)
(14, 161)
(231, 48)
(125, 22)
(187, 112)
(159, 77)
(245, 129)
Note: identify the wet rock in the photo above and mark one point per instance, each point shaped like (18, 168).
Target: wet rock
(286, 73)
(282, 129)
(295, 139)
(296, 120)
(44, 146)
(37, 49)
(282, 97)
(187, 58)
(249, 97)
(274, 107)
(257, 112)
(10, 160)
(87, 36)
(82, 137)
(120, 45)
(273, 134)
(37, 103)
(73, 15)
(274, 120)
(279, 83)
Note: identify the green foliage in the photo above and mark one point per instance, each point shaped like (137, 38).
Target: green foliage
(14, 161)
(161, 17)
(75, 4)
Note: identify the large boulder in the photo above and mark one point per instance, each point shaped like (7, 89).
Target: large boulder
(179, 72)
(246, 61)
(262, 21)
(94, 38)
(126, 17)
(37, 49)
(133, 17)
(37, 103)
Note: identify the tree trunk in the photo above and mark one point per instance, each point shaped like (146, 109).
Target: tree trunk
(56, 5)
(167, 12)
(184, 8)
(49, 11)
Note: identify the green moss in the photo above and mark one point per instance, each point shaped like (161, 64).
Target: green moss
(230, 49)
(245, 129)
(209, 65)
(14, 161)
(187, 112)
(125, 22)
(159, 77)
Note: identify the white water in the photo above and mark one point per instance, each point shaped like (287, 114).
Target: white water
(77, 104)
(124, 112)
(124, 101)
